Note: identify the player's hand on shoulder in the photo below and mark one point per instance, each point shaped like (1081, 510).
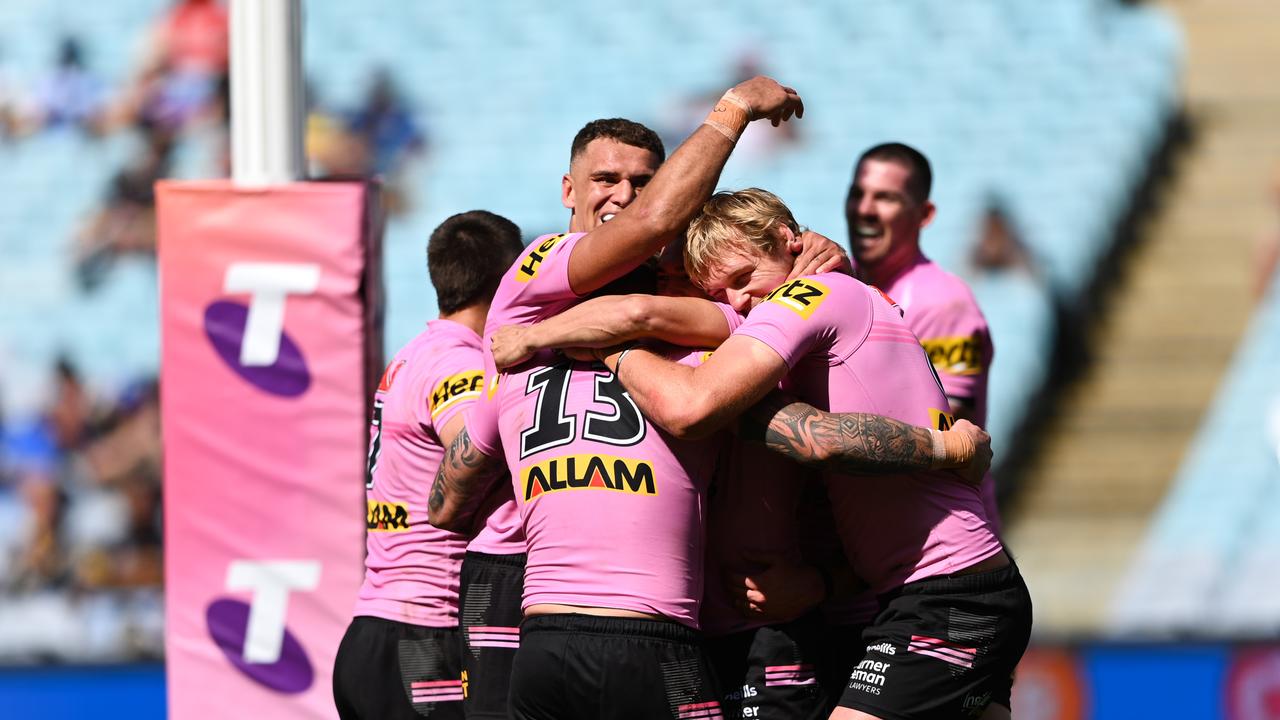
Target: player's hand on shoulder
(819, 254)
(509, 346)
(766, 98)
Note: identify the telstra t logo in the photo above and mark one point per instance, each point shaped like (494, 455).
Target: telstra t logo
(251, 339)
(253, 635)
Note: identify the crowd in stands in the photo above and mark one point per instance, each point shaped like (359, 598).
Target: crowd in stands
(180, 89)
(80, 543)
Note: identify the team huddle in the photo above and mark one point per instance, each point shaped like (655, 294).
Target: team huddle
(686, 460)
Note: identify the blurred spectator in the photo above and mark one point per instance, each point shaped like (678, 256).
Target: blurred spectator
(186, 57)
(41, 560)
(330, 149)
(127, 222)
(193, 38)
(164, 100)
(70, 96)
(386, 126)
(71, 409)
(129, 448)
(136, 560)
(1267, 254)
(388, 136)
(12, 101)
(999, 249)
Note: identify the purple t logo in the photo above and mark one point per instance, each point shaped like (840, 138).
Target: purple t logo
(253, 635)
(251, 339)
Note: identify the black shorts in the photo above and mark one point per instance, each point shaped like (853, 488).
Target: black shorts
(944, 647)
(842, 650)
(387, 669)
(581, 667)
(774, 672)
(491, 588)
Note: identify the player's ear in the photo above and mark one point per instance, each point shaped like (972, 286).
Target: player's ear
(926, 213)
(566, 191)
(790, 239)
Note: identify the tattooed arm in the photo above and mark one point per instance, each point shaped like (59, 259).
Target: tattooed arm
(855, 442)
(463, 480)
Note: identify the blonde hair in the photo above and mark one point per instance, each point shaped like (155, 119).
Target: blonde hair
(742, 221)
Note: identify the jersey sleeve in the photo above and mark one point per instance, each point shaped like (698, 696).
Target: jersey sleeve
(539, 279)
(958, 343)
(731, 316)
(455, 382)
(807, 313)
(482, 419)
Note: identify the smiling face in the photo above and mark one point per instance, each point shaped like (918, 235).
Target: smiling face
(884, 220)
(744, 274)
(603, 179)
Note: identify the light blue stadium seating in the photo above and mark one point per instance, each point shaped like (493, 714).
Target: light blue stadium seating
(1207, 565)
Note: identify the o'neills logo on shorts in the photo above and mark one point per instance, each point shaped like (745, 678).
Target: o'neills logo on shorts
(386, 517)
(955, 355)
(800, 296)
(533, 261)
(584, 472)
(454, 388)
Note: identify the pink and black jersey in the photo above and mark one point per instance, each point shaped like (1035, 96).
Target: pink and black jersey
(612, 508)
(941, 310)
(411, 570)
(850, 351)
(535, 287)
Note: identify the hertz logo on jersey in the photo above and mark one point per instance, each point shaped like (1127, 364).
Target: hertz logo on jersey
(941, 420)
(455, 388)
(579, 472)
(955, 355)
(528, 269)
(801, 296)
(386, 517)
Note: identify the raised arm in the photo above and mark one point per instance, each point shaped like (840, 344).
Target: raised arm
(611, 320)
(464, 479)
(678, 189)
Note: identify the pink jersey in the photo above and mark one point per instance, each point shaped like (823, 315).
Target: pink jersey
(613, 509)
(535, 287)
(411, 570)
(941, 310)
(849, 351)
